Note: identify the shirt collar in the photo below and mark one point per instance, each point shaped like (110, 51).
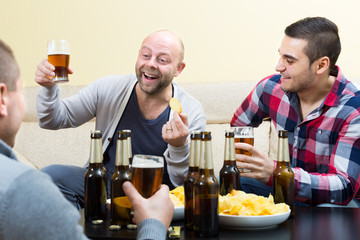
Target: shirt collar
(333, 97)
(6, 150)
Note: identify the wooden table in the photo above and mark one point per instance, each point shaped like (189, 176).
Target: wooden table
(320, 223)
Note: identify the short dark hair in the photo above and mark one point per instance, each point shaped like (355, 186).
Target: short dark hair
(9, 69)
(322, 36)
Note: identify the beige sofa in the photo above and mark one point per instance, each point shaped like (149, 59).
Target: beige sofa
(39, 147)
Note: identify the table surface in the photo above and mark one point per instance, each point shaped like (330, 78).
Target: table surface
(308, 223)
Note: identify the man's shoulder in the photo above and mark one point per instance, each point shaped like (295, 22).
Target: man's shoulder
(270, 85)
(272, 79)
(350, 95)
(112, 85)
(11, 168)
(116, 79)
(184, 96)
(11, 171)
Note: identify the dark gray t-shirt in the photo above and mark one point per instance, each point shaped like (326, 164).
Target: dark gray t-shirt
(146, 136)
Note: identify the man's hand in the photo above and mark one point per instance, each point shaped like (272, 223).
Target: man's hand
(175, 132)
(261, 167)
(45, 73)
(158, 207)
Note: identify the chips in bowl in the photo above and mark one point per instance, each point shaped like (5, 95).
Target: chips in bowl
(238, 203)
(177, 196)
(246, 204)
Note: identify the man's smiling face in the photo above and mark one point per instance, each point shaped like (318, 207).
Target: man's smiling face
(297, 74)
(158, 62)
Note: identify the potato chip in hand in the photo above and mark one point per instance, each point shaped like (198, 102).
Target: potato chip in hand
(175, 105)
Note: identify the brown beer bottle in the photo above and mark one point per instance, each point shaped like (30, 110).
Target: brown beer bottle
(229, 173)
(283, 176)
(128, 138)
(206, 193)
(195, 145)
(95, 181)
(120, 214)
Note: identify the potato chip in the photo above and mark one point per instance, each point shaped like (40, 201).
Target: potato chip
(245, 204)
(177, 196)
(175, 105)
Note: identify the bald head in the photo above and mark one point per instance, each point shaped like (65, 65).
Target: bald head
(169, 39)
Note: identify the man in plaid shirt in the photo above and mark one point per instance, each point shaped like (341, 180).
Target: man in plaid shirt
(319, 108)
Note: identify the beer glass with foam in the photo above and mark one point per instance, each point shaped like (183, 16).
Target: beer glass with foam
(147, 173)
(59, 57)
(244, 134)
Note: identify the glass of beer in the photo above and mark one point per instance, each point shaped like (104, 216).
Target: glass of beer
(59, 57)
(244, 134)
(147, 173)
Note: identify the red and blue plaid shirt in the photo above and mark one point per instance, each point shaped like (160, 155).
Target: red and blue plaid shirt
(324, 147)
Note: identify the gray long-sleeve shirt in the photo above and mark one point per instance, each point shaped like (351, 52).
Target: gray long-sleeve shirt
(32, 207)
(106, 99)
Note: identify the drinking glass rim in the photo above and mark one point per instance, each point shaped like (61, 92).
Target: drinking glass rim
(144, 158)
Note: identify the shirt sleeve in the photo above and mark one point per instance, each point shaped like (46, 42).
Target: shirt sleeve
(56, 113)
(342, 181)
(151, 229)
(252, 110)
(177, 158)
(34, 208)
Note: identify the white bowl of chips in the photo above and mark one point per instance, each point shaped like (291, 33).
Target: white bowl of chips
(178, 213)
(242, 210)
(177, 197)
(252, 222)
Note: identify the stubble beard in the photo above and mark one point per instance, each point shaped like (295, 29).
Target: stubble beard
(157, 88)
(298, 85)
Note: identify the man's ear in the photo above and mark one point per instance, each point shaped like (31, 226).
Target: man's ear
(323, 65)
(180, 68)
(3, 100)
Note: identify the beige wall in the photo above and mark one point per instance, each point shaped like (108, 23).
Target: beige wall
(225, 40)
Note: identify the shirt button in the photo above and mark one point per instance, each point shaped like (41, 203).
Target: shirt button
(320, 131)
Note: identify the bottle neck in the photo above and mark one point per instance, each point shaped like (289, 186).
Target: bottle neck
(193, 169)
(194, 158)
(229, 152)
(122, 168)
(122, 153)
(96, 155)
(206, 161)
(129, 147)
(283, 150)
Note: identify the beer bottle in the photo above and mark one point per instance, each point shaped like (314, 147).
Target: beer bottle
(120, 214)
(283, 176)
(206, 193)
(128, 138)
(195, 144)
(229, 173)
(95, 182)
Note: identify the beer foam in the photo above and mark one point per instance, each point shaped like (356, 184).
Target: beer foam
(58, 53)
(147, 161)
